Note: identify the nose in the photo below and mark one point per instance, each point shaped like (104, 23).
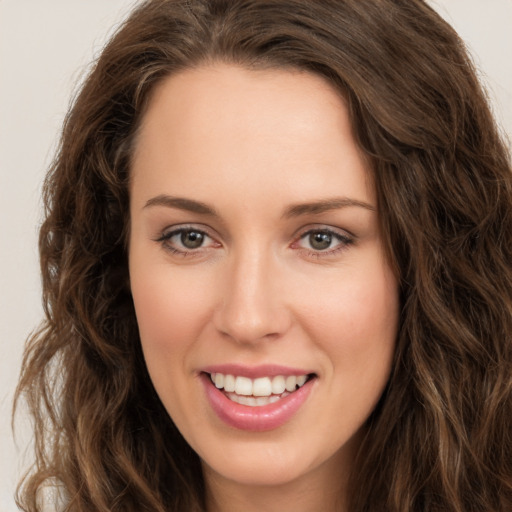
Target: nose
(252, 306)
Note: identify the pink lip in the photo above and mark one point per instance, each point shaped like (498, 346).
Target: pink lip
(256, 419)
(253, 372)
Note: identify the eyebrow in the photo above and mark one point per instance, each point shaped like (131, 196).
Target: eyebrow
(311, 208)
(325, 205)
(181, 203)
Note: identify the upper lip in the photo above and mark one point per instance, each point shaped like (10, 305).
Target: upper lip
(253, 372)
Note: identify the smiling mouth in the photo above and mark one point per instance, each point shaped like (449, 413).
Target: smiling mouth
(260, 391)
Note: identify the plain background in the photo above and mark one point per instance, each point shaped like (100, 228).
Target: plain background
(46, 47)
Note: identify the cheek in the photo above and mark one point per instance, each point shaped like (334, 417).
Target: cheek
(355, 320)
(172, 309)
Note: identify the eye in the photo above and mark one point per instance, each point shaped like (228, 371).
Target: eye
(320, 240)
(185, 240)
(323, 241)
(192, 239)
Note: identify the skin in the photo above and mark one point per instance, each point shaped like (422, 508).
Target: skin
(252, 145)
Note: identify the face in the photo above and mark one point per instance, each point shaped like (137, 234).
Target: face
(266, 307)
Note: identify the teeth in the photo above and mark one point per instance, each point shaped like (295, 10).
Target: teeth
(219, 380)
(278, 385)
(229, 383)
(258, 391)
(252, 401)
(301, 380)
(243, 386)
(262, 387)
(291, 383)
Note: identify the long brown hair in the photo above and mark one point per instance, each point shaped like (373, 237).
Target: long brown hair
(440, 438)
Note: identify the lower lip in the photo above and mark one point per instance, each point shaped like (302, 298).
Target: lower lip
(258, 418)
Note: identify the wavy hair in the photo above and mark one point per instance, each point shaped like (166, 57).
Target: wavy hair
(440, 438)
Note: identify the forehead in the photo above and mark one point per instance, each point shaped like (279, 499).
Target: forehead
(228, 125)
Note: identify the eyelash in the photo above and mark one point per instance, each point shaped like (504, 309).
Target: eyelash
(343, 242)
(165, 238)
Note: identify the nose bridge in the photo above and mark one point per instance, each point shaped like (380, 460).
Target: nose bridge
(252, 307)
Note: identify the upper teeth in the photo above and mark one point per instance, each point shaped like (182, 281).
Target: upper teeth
(262, 386)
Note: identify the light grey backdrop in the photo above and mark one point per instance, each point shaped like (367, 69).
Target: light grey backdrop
(45, 48)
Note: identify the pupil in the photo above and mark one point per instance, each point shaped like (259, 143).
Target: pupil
(191, 239)
(320, 241)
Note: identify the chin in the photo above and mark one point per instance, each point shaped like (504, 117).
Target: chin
(277, 463)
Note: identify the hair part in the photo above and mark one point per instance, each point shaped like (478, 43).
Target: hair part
(440, 436)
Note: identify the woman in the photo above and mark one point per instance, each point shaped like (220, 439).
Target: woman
(277, 268)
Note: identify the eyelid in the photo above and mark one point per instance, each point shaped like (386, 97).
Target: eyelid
(312, 228)
(170, 231)
(344, 237)
(178, 228)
